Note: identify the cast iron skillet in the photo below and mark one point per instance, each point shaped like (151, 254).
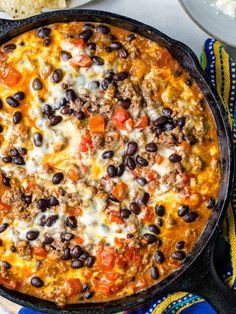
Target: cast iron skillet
(197, 274)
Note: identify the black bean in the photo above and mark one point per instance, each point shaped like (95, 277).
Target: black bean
(54, 120)
(180, 245)
(6, 181)
(149, 238)
(113, 199)
(65, 55)
(57, 178)
(47, 41)
(183, 210)
(129, 236)
(88, 26)
(66, 236)
(174, 158)
(27, 199)
(108, 49)
(141, 161)
(17, 117)
(57, 76)
(130, 37)
(112, 171)
(1, 104)
(178, 73)
(7, 159)
(120, 76)
(97, 60)
(159, 222)
(1, 242)
(37, 282)
(191, 139)
(42, 221)
(189, 82)
(86, 35)
(71, 222)
(84, 256)
(141, 181)
(105, 83)
(12, 102)
(170, 125)
(13, 248)
(38, 139)
(80, 115)
(125, 213)
(43, 32)
(108, 154)
(48, 240)
(125, 103)
(3, 227)
(159, 130)
(47, 110)
(211, 203)
(71, 95)
(123, 53)
(154, 273)
(6, 265)
(180, 122)
(42, 204)
(161, 121)
(1, 128)
(190, 217)
(159, 257)
(120, 170)
(76, 252)
(167, 112)
(160, 210)
(132, 148)
(51, 220)
(89, 294)
(67, 254)
(130, 163)
(103, 29)
(37, 84)
(90, 261)
(144, 199)
(115, 45)
(9, 48)
(151, 147)
(66, 109)
(32, 235)
(178, 255)
(14, 152)
(19, 160)
(135, 208)
(53, 201)
(85, 287)
(154, 229)
(77, 264)
(91, 46)
(19, 96)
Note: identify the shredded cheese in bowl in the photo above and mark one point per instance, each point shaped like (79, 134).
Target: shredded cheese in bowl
(228, 7)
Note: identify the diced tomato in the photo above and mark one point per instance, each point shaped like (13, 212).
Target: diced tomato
(73, 174)
(4, 206)
(78, 42)
(119, 118)
(129, 254)
(39, 251)
(73, 286)
(106, 258)
(120, 191)
(143, 123)
(83, 62)
(149, 215)
(97, 124)
(152, 175)
(79, 240)
(10, 76)
(159, 159)
(86, 143)
(74, 211)
(114, 216)
(9, 284)
(164, 59)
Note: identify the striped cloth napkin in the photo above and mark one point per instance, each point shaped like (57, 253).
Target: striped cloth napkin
(222, 73)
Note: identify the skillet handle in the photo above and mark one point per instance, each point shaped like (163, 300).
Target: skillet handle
(201, 279)
(7, 26)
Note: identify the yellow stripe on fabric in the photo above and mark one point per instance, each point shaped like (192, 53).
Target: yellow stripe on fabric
(189, 305)
(222, 82)
(164, 305)
(232, 240)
